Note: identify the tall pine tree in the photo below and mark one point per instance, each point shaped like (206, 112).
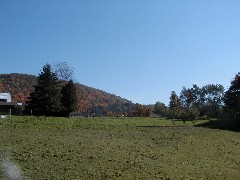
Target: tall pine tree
(45, 100)
(69, 98)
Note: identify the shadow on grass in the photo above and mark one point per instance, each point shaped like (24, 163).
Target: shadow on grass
(221, 124)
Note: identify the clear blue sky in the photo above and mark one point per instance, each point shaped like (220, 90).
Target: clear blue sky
(138, 49)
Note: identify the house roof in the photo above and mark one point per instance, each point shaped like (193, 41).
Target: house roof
(6, 96)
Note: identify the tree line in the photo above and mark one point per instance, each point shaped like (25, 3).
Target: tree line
(55, 94)
(209, 101)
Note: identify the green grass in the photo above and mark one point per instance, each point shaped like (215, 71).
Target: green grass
(118, 148)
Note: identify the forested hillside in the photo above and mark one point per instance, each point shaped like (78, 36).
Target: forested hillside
(90, 100)
(19, 85)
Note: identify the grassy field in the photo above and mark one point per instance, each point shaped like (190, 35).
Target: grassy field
(116, 148)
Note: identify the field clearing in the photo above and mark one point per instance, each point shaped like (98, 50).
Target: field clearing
(117, 148)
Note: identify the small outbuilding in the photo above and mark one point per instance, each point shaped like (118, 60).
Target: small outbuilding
(5, 97)
(6, 104)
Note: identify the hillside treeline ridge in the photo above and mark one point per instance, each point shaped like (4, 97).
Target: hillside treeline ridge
(90, 100)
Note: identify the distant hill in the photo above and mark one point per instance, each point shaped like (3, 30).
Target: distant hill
(90, 100)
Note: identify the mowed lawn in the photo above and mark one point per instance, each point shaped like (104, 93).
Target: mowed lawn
(116, 148)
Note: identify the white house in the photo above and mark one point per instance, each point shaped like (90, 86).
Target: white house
(5, 97)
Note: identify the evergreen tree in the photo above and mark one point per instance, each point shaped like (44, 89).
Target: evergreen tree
(69, 98)
(232, 99)
(46, 96)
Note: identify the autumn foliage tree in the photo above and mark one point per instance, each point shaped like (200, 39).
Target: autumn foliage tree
(142, 111)
(174, 101)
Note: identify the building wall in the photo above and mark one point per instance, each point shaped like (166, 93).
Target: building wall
(5, 109)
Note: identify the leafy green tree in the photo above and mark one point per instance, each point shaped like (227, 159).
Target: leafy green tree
(175, 107)
(174, 113)
(206, 100)
(160, 109)
(213, 99)
(46, 96)
(191, 97)
(186, 97)
(69, 98)
(188, 114)
(232, 99)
